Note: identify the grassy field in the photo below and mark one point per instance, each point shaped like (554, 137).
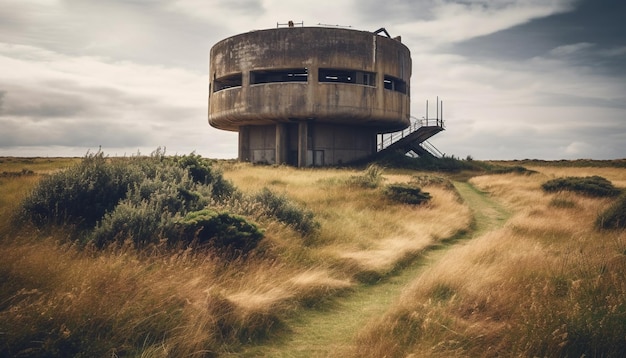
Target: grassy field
(490, 267)
(545, 284)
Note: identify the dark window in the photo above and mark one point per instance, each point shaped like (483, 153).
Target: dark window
(347, 76)
(283, 75)
(394, 84)
(227, 82)
(332, 75)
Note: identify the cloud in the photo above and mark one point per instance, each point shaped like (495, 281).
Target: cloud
(218, 10)
(569, 50)
(53, 99)
(459, 21)
(519, 78)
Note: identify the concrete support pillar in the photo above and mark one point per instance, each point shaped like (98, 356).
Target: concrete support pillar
(281, 143)
(244, 143)
(303, 134)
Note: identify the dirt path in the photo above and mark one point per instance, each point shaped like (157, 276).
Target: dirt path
(322, 333)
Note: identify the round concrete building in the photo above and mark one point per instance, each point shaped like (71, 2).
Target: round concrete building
(309, 95)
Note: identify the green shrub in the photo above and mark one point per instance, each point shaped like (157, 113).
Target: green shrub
(503, 169)
(134, 198)
(150, 206)
(82, 194)
(425, 180)
(406, 194)
(446, 164)
(202, 172)
(615, 216)
(371, 178)
(143, 223)
(594, 186)
(220, 230)
(281, 208)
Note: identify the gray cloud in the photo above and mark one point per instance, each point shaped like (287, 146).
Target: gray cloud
(599, 25)
(520, 78)
(37, 104)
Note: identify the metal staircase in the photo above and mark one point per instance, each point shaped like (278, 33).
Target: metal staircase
(413, 138)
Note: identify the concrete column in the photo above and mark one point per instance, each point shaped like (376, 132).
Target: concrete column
(303, 133)
(281, 143)
(244, 143)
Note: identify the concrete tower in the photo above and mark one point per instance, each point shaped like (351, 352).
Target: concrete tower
(308, 96)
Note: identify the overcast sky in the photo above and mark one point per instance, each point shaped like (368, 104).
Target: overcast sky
(519, 79)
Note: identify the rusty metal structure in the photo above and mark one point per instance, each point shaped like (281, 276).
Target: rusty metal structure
(309, 96)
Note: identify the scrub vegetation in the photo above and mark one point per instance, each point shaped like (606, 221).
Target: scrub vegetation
(591, 186)
(168, 256)
(546, 284)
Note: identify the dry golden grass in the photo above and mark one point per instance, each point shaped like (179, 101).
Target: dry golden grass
(360, 228)
(57, 297)
(36, 165)
(169, 303)
(547, 284)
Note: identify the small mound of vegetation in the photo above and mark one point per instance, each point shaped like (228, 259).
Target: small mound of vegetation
(281, 208)
(220, 230)
(615, 216)
(11, 174)
(505, 169)
(433, 180)
(445, 164)
(371, 178)
(594, 186)
(406, 194)
(449, 164)
(562, 203)
(578, 163)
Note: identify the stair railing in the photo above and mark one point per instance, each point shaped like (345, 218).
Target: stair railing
(388, 139)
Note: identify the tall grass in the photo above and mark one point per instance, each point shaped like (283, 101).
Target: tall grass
(547, 284)
(58, 298)
(361, 229)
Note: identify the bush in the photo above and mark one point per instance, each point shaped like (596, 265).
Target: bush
(134, 198)
(502, 169)
(223, 231)
(282, 209)
(615, 216)
(594, 186)
(202, 172)
(407, 194)
(446, 164)
(433, 180)
(150, 207)
(82, 194)
(142, 223)
(371, 178)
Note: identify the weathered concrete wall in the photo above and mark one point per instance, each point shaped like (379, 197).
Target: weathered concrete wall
(309, 96)
(326, 144)
(311, 49)
(262, 144)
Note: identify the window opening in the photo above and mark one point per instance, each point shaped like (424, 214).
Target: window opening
(347, 76)
(227, 82)
(394, 84)
(282, 75)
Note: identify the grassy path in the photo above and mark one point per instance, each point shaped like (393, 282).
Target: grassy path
(488, 214)
(322, 333)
